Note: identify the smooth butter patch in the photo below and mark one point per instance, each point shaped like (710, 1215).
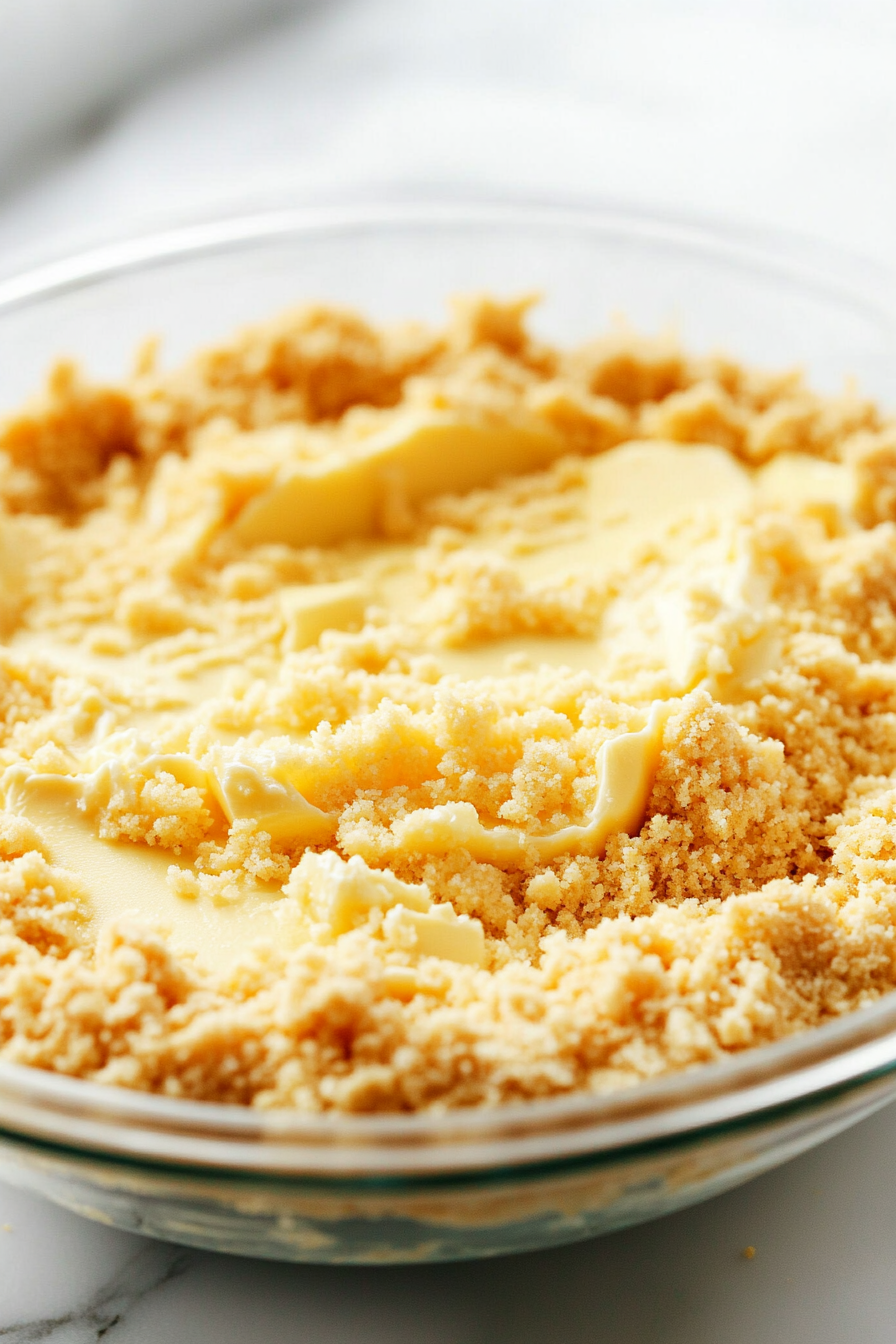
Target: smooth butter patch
(310, 609)
(124, 879)
(346, 495)
(645, 492)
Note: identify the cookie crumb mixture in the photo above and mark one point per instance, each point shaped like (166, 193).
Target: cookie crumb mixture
(396, 718)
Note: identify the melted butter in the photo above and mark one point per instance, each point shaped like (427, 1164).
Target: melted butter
(348, 493)
(502, 657)
(643, 494)
(123, 879)
(138, 677)
(639, 496)
(654, 519)
(652, 497)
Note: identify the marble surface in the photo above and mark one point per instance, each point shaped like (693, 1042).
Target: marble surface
(778, 113)
(823, 1229)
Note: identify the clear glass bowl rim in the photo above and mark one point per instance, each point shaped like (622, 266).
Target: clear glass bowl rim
(799, 1072)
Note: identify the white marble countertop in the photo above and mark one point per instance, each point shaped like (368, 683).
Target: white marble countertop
(774, 113)
(823, 1228)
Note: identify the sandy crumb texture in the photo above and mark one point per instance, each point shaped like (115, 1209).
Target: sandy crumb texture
(151, 646)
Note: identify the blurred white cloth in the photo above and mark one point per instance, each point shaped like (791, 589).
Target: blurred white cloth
(64, 62)
(772, 113)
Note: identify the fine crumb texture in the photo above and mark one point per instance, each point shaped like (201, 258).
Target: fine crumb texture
(395, 719)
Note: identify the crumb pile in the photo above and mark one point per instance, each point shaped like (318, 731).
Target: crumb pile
(311, 806)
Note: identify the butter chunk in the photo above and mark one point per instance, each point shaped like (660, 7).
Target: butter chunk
(401, 982)
(310, 609)
(126, 774)
(627, 766)
(344, 894)
(720, 622)
(653, 483)
(794, 480)
(441, 932)
(180, 766)
(246, 794)
(321, 503)
(439, 830)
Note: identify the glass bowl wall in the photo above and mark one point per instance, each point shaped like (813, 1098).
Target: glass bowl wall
(378, 1189)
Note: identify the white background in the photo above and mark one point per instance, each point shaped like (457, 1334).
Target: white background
(118, 115)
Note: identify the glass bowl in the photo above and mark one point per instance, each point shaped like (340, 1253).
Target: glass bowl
(391, 1188)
